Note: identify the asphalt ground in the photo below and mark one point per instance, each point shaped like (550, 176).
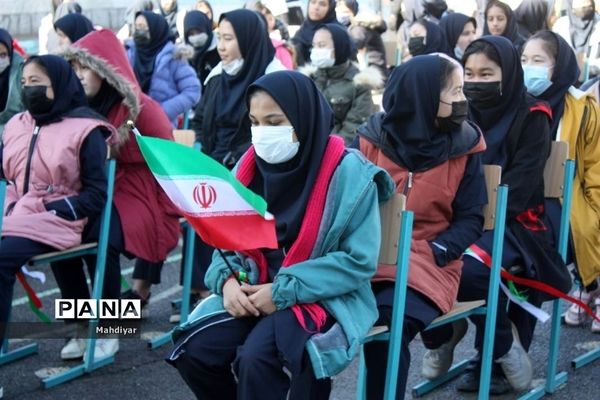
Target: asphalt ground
(141, 373)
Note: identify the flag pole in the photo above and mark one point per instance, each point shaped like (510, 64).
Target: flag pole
(131, 126)
(237, 278)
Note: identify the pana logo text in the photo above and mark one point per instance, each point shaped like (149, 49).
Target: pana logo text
(101, 309)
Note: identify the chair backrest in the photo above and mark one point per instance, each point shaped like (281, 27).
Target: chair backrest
(554, 171)
(493, 176)
(187, 137)
(390, 214)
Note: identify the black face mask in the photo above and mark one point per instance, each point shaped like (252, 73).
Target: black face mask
(454, 121)
(35, 100)
(416, 45)
(482, 95)
(141, 37)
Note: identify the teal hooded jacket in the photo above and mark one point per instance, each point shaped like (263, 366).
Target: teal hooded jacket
(337, 275)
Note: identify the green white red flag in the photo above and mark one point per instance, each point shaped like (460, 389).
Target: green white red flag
(225, 213)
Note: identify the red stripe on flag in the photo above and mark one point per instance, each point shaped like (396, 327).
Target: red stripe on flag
(235, 233)
(29, 290)
(532, 283)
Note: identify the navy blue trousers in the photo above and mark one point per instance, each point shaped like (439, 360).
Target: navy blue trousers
(14, 252)
(266, 355)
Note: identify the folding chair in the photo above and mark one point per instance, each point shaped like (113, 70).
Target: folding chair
(558, 183)
(99, 249)
(187, 138)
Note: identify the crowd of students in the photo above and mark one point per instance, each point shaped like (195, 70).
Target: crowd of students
(493, 86)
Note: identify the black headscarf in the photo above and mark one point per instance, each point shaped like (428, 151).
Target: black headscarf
(511, 32)
(495, 122)
(341, 42)
(68, 92)
(453, 25)
(257, 50)
(146, 55)
(580, 29)
(75, 26)
(435, 41)
(532, 16)
(286, 187)
(66, 9)
(411, 100)
(171, 18)
(198, 20)
(309, 27)
(5, 39)
(565, 74)
(105, 99)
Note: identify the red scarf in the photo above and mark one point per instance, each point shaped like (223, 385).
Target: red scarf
(303, 246)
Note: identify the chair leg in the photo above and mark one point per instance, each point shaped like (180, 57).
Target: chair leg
(188, 265)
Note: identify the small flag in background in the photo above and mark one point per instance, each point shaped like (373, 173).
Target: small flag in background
(225, 213)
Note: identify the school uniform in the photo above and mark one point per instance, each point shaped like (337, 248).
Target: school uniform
(319, 286)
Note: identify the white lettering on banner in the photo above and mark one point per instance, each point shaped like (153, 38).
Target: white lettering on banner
(102, 309)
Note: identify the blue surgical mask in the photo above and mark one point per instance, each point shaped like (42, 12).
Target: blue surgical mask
(536, 79)
(458, 53)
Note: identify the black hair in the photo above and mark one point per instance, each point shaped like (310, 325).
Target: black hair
(480, 46)
(37, 61)
(550, 43)
(447, 67)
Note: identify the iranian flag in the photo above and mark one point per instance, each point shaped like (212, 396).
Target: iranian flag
(225, 213)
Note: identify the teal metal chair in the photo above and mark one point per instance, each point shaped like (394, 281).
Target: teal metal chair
(558, 183)
(99, 249)
(187, 138)
(498, 198)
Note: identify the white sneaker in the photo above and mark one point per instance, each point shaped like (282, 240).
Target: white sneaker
(104, 348)
(595, 323)
(74, 349)
(438, 361)
(516, 364)
(1, 392)
(575, 315)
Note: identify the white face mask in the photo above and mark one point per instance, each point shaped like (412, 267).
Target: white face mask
(4, 63)
(198, 40)
(322, 58)
(274, 144)
(233, 67)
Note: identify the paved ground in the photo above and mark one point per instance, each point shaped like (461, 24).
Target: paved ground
(140, 373)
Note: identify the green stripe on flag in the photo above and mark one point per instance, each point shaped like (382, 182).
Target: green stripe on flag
(171, 160)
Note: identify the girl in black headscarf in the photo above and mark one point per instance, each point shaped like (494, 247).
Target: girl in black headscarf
(459, 30)
(500, 20)
(71, 28)
(426, 37)
(198, 33)
(581, 29)
(550, 72)
(319, 12)
(314, 188)
(432, 153)
(532, 16)
(57, 140)
(346, 88)
(516, 129)
(247, 54)
(161, 68)
(11, 65)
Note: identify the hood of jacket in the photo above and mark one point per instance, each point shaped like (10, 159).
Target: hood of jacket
(99, 52)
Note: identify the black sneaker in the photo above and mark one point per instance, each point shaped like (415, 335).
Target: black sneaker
(469, 381)
(133, 295)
